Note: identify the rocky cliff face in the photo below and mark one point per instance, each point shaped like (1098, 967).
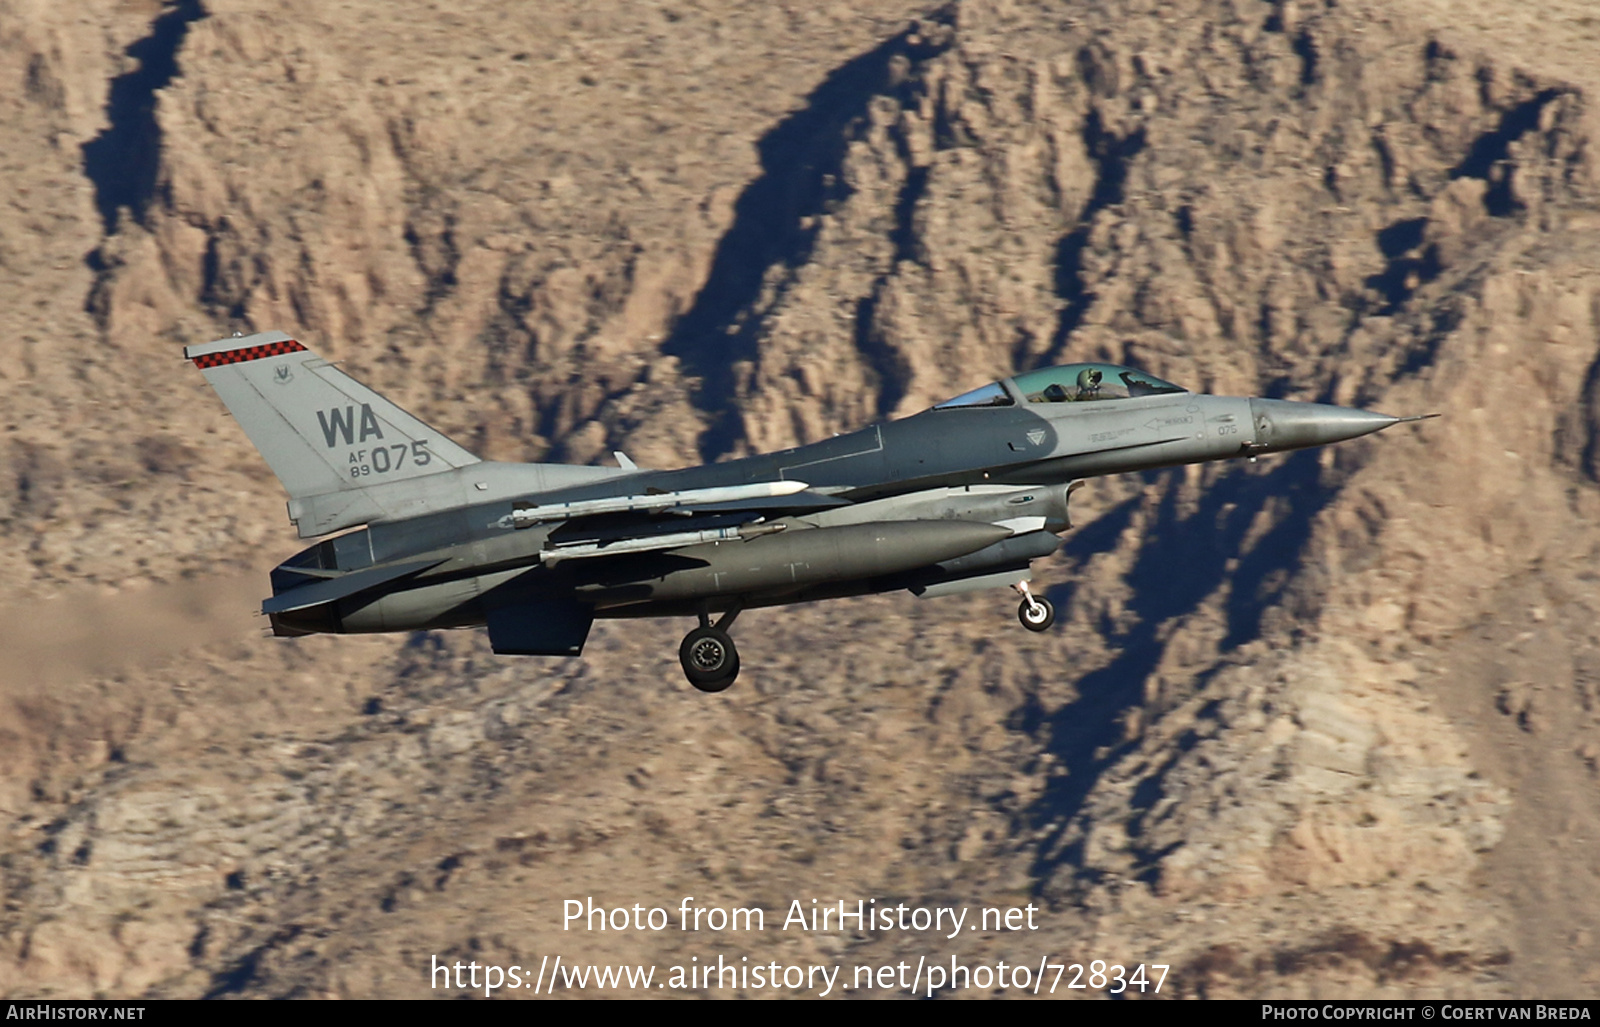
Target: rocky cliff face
(1319, 725)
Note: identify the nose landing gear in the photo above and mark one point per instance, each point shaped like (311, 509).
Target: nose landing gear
(710, 659)
(1036, 612)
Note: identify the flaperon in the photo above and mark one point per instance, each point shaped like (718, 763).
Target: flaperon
(959, 497)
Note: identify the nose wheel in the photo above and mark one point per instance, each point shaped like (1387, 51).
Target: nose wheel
(710, 659)
(1036, 612)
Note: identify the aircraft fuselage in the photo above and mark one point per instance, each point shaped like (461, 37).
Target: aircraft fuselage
(913, 472)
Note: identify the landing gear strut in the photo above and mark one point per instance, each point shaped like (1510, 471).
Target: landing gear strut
(710, 659)
(1036, 612)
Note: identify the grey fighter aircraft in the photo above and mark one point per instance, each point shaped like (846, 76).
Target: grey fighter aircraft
(959, 497)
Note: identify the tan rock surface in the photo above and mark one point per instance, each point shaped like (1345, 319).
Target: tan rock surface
(1322, 725)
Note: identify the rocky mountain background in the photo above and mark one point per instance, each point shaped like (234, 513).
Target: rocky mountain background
(1323, 725)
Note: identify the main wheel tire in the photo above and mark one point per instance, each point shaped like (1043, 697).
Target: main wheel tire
(710, 659)
(719, 685)
(1036, 613)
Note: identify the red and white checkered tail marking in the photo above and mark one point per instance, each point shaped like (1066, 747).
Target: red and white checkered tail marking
(239, 356)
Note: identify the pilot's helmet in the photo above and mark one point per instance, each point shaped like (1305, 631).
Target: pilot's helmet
(1089, 379)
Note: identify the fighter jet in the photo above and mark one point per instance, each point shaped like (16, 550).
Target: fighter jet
(418, 533)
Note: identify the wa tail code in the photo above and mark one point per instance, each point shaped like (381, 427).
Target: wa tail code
(338, 423)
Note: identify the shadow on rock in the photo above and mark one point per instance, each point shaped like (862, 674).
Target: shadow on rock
(1181, 562)
(776, 221)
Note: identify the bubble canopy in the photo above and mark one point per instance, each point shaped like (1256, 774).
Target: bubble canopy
(1068, 383)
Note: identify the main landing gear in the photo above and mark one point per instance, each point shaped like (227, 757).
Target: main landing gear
(709, 657)
(1036, 612)
(711, 661)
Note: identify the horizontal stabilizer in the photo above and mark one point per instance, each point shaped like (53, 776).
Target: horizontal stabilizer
(343, 586)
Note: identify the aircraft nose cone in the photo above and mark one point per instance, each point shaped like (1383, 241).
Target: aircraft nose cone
(1281, 424)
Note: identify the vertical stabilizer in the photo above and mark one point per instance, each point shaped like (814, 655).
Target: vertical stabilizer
(320, 430)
